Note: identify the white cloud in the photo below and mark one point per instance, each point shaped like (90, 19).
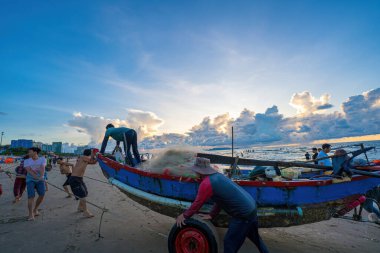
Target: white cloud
(306, 104)
(145, 123)
(360, 115)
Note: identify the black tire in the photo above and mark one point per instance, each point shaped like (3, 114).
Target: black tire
(205, 227)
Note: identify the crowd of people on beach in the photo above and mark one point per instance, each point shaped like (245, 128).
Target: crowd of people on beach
(31, 176)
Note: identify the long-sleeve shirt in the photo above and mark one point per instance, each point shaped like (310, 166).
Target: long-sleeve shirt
(226, 194)
(117, 133)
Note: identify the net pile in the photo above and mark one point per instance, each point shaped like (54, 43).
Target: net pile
(174, 162)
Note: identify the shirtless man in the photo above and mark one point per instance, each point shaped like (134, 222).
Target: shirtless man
(77, 185)
(66, 169)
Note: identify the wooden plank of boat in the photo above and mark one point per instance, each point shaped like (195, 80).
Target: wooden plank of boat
(366, 173)
(219, 159)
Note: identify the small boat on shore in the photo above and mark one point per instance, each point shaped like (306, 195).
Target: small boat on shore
(281, 203)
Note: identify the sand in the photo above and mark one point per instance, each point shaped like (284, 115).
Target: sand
(130, 227)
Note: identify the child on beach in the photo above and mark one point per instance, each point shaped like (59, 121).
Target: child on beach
(35, 167)
(78, 187)
(20, 181)
(66, 169)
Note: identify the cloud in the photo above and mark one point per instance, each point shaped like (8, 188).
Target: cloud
(3, 113)
(145, 123)
(306, 104)
(359, 115)
(362, 112)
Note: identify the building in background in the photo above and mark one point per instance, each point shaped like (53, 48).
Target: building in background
(37, 144)
(21, 143)
(80, 149)
(57, 147)
(47, 148)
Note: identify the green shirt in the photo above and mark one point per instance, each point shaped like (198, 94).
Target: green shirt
(116, 133)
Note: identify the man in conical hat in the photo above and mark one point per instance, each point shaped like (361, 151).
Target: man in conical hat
(230, 197)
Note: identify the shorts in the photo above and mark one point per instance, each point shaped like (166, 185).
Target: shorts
(67, 182)
(78, 187)
(33, 186)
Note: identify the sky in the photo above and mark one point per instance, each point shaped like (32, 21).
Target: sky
(185, 71)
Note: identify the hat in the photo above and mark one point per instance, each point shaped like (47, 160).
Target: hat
(202, 166)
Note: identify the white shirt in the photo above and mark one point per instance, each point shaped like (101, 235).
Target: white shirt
(38, 167)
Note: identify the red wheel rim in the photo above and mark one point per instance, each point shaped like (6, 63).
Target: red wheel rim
(191, 240)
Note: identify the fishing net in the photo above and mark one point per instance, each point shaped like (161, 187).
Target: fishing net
(174, 162)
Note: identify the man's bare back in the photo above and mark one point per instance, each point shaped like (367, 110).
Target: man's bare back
(81, 165)
(65, 168)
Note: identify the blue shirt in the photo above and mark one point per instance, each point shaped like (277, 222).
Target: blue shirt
(325, 162)
(117, 133)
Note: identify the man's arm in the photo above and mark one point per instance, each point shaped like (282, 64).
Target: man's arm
(67, 164)
(42, 170)
(104, 143)
(204, 193)
(91, 160)
(31, 172)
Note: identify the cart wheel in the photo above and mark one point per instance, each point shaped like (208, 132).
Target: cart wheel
(197, 236)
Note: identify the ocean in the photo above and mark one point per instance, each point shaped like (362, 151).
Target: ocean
(293, 153)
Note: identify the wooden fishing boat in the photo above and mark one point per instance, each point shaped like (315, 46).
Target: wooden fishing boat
(281, 204)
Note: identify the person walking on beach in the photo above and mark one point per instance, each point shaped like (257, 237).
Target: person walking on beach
(66, 169)
(230, 197)
(54, 161)
(326, 148)
(78, 187)
(20, 181)
(128, 137)
(35, 167)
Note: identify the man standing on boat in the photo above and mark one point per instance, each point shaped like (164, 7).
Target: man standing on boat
(326, 148)
(128, 137)
(230, 197)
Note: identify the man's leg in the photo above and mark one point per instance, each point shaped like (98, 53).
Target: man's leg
(30, 208)
(135, 150)
(80, 206)
(31, 194)
(127, 148)
(16, 189)
(23, 186)
(66, 189)
(254, 236)
(235, 236)
(41, 194)
(66, 186)
(86, 212)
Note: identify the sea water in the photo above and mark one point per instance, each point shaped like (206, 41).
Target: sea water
(177, 161)
(297, 152)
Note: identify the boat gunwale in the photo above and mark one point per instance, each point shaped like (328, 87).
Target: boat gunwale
(325, 182)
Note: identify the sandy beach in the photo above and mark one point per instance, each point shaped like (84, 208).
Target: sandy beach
(130, 227)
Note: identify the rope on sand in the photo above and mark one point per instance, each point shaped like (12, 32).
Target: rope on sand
(103, 209)
(91, 178)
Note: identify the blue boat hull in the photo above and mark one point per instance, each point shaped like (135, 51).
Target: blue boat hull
(318, 199)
